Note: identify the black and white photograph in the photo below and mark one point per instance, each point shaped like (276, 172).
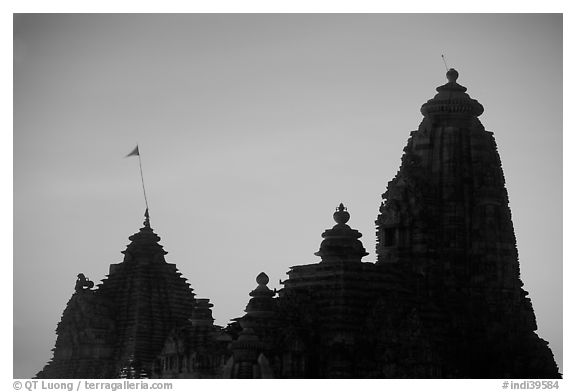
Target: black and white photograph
(288, 196)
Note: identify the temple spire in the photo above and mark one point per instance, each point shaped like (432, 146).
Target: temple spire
(146, 218)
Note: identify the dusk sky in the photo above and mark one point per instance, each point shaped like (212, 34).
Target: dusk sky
(252, 128)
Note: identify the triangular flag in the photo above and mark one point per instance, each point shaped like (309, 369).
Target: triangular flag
(134, 152)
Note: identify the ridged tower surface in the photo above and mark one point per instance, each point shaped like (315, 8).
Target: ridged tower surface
(445, 217)
(119, 328)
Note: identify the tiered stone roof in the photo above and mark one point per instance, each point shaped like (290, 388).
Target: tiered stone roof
(85, 339)
(195, 350)
(330, 301)
(255, 342)
(132, 311)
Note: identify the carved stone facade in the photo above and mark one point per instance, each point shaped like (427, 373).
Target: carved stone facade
(445, 218)
(118, 329)
(443, 300)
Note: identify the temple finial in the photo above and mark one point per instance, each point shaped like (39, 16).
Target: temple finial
(341, 215)
(262, 279)
(147, 218)
(341, 242)
(452, 75)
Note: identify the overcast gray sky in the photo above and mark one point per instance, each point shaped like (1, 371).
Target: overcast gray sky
(252, 129)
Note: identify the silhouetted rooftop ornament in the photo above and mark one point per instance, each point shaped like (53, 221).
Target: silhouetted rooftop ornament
(261, 300)
(452, 75)
(146, 218)
(341, 215)
(452, 100)
(262, 279)
(341, 242)
(83, 283)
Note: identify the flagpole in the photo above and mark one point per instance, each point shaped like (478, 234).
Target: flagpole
(142, 177)
(136, 151)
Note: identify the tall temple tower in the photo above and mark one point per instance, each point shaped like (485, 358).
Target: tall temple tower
(445, 218)
(118, 329)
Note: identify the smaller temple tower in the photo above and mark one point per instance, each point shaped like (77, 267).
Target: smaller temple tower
(325, 305)
(119, 328)
(255, 343)
(199, 349)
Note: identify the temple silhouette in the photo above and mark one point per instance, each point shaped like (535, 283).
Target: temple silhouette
(443, 300)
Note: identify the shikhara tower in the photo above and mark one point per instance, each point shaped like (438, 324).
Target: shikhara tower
(445, 218)
(443, 300)
(118, 329)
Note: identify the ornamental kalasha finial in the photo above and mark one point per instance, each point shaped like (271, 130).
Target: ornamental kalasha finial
(341, 215)
(452, 75)
(262, 279)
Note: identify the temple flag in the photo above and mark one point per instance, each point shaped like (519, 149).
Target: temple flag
(134, 152)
